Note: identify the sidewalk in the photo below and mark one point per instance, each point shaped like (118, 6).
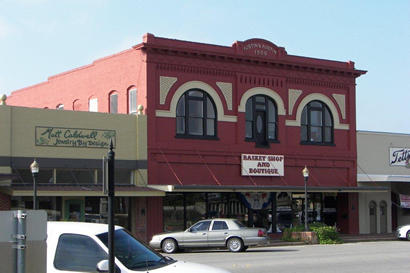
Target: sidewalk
(347, 238)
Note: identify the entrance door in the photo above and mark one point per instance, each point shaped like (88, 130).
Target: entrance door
(260, 130)
(74, 210)
(373, 217)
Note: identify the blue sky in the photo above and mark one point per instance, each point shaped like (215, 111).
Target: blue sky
(40, 38)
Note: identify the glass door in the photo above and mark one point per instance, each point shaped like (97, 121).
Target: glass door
(74, 210)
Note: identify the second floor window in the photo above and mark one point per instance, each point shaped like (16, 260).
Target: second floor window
(93, 105)
(261, 120)
(316, 124)
(132, 101)
(196, 115)
(114, 103)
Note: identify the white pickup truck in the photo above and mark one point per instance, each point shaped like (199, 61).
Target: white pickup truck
(82, 247)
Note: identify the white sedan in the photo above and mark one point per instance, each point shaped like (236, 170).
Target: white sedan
(403, 232)
(82, 247)
(213, 233)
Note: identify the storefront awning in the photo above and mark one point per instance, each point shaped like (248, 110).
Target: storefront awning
(83, 190)
(383, 178)
(232, 188)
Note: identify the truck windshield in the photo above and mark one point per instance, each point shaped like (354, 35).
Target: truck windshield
(132, 253)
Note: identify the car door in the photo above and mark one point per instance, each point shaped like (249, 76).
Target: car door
(197, 235)
(218, 233)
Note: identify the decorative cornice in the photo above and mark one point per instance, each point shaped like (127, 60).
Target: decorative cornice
(248, 60)
(321, 83)
(194, 69)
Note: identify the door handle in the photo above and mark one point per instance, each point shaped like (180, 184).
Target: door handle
(226, 233)
(204, 233)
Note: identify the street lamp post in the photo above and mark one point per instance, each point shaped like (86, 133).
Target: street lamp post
(35, 168)
(305, 173)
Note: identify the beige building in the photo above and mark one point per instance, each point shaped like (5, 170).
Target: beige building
(69, 147)
(383, 160)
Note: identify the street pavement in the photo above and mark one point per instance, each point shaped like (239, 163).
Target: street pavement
(361, 257)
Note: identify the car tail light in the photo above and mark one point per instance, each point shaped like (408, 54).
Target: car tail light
(261, 233)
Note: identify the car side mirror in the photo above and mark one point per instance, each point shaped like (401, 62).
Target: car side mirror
(103, 266)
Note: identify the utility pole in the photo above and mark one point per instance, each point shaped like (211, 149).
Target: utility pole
(111, 196)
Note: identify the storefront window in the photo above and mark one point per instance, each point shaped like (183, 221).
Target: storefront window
(96, 210)
(253, 209)
(122, 176)
(173, 212)
(75, 176)
(195, 208)
(24, 176)
(183, 210)
(329, 209)
(51, 204)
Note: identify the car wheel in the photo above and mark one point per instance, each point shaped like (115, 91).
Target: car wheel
(408, 235)
(169, 246)
(235, 244)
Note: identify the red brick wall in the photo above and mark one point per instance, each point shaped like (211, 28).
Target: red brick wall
(190, 161)
(74, 88)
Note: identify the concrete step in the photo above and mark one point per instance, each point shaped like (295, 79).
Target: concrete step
(347, 238)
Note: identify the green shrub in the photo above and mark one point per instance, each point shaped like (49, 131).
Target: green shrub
(326, 234)
(287, 233)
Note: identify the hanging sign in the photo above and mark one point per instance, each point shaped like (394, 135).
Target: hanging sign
(405, 201)
(262, 165)
(399, 157)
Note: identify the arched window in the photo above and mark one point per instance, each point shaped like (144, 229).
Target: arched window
(132, 101)
(383, 216)
(316, 124)
(113, 103)
(196, 115)
(261, 120)
(76, 105)
(93, 105)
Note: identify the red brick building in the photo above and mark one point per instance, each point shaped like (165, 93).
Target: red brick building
(230, 128)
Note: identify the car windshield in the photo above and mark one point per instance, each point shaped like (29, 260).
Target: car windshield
(132, 253)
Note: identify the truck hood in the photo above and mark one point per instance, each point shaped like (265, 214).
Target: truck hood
(188, 267)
